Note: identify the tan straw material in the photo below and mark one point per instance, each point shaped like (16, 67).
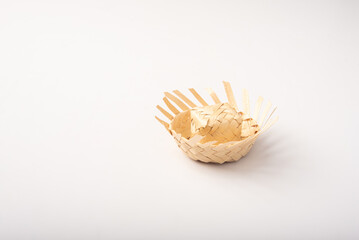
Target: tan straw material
(215, 133)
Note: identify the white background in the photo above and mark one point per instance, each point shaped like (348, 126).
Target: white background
(82, 157)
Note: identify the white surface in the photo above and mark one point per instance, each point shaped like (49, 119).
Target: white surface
(82, 157)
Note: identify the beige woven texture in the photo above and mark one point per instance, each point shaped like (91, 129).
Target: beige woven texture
(215, 133)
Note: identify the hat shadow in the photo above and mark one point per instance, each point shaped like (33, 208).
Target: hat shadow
(267, 156)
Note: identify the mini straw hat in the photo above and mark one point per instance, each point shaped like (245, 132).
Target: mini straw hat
(215, 133)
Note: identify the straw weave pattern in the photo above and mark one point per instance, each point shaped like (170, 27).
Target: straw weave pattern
(215, 133)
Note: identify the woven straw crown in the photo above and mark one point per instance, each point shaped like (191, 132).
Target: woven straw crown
(215, 133)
